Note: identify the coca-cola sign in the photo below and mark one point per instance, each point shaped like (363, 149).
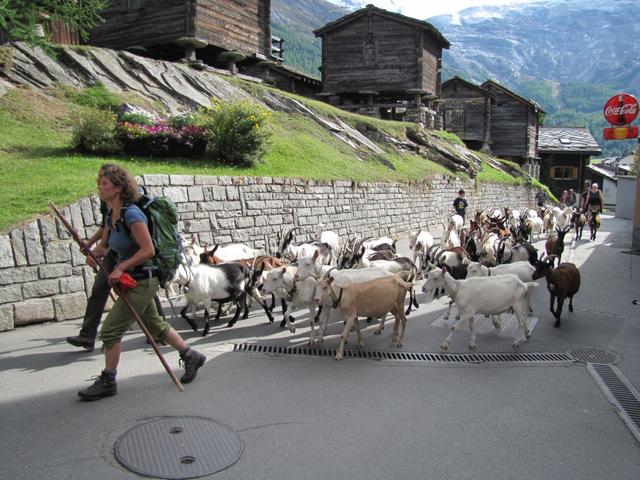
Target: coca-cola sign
(621, 109)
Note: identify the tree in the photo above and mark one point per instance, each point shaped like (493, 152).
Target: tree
(22, 19)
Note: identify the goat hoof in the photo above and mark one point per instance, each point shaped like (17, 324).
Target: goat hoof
(515, 345)
(570, 308)
(445, 317)
(292, 329)
(377, 332)
(557, 324)
(472, 346)
(444, 347)
(338, 357)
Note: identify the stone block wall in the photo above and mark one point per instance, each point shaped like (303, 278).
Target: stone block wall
(42, 272)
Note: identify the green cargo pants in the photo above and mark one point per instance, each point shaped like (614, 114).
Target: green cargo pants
(120, 317)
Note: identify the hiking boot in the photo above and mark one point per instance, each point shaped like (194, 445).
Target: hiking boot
(191, 361)
(81, 341)
(104, 386)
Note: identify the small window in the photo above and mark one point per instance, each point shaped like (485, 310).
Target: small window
(564, 173)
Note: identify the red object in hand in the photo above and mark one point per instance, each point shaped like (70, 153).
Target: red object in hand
(126, 282)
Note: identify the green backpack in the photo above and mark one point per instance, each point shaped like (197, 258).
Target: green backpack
(162, 217)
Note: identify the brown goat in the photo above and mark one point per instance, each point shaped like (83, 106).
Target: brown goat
(562, 282)
(555, 245)
(374, 298)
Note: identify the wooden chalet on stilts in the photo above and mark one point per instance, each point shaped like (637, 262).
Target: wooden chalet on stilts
(515, 126)
(565, 153)
(466, 111)
(382, 64)
(230, 34)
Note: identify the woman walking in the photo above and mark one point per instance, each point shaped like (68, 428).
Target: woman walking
(128, 235)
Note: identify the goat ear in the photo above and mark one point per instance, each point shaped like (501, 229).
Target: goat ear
(283, 271)
(316, 254)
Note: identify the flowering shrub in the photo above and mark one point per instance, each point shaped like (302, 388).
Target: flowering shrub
(162, 136)
(96, 132)
(236, 131)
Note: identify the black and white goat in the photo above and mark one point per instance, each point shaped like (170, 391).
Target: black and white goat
(227, 282)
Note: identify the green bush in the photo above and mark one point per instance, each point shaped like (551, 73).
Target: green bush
(136, 118)
(236, 132)
(96, 132)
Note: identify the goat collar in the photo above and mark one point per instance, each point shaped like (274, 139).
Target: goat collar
(336, 301)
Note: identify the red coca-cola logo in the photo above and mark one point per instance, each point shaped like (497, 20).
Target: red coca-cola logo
(621, 109)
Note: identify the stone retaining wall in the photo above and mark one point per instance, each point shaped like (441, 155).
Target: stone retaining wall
(43, 276)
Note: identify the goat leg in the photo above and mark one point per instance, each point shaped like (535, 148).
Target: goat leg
(207, 326)
(273, 302)
(239, 303)
(472, 340)
(192, 324)
(343, 337)
(571, 303)
(558, 312)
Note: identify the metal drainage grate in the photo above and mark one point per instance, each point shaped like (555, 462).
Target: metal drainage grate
(593, 355)
(408, 356)
(620, 392)
(178, 447)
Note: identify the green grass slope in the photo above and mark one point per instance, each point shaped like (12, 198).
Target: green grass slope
(37, 162)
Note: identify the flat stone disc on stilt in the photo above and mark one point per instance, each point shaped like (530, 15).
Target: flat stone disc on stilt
(178, 447)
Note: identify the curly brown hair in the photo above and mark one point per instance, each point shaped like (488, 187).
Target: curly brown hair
(120, 177)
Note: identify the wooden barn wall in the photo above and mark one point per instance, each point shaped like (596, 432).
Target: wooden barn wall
(509, 124)
(392, 67)
(532, 148)
(473, 105)
(432, 51)
(241, 25)
(61, 33)
(157, 22)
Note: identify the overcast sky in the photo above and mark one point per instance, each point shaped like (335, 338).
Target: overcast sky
(423, 9)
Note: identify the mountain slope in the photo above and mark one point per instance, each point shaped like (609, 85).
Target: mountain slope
(580, 41)
(568, 55)
(295, 21)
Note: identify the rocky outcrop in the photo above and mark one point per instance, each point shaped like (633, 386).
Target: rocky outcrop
(176, 85)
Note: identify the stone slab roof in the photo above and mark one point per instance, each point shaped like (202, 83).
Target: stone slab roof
(567, 140)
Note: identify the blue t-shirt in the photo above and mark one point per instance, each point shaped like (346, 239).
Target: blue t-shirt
(120, 239)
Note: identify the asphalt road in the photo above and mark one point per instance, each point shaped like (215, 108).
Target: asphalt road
(309, 417)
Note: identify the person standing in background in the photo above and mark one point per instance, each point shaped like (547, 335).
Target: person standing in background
(460, 204)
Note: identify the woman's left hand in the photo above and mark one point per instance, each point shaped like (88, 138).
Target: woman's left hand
(114, 276)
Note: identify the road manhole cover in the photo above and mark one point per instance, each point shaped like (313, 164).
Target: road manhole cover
(178, 447)
(593, 355)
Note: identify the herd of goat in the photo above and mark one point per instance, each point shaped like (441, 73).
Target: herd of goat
(486, 268)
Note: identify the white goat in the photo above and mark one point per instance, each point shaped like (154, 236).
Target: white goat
(537, 226)
(455, 223)
(302, 295)
(329, 237)
(521, 269)
(420, 242)
(237, 251)
(374, 299)
(484, 295)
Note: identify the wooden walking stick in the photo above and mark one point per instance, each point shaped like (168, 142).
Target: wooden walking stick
(122, 295)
